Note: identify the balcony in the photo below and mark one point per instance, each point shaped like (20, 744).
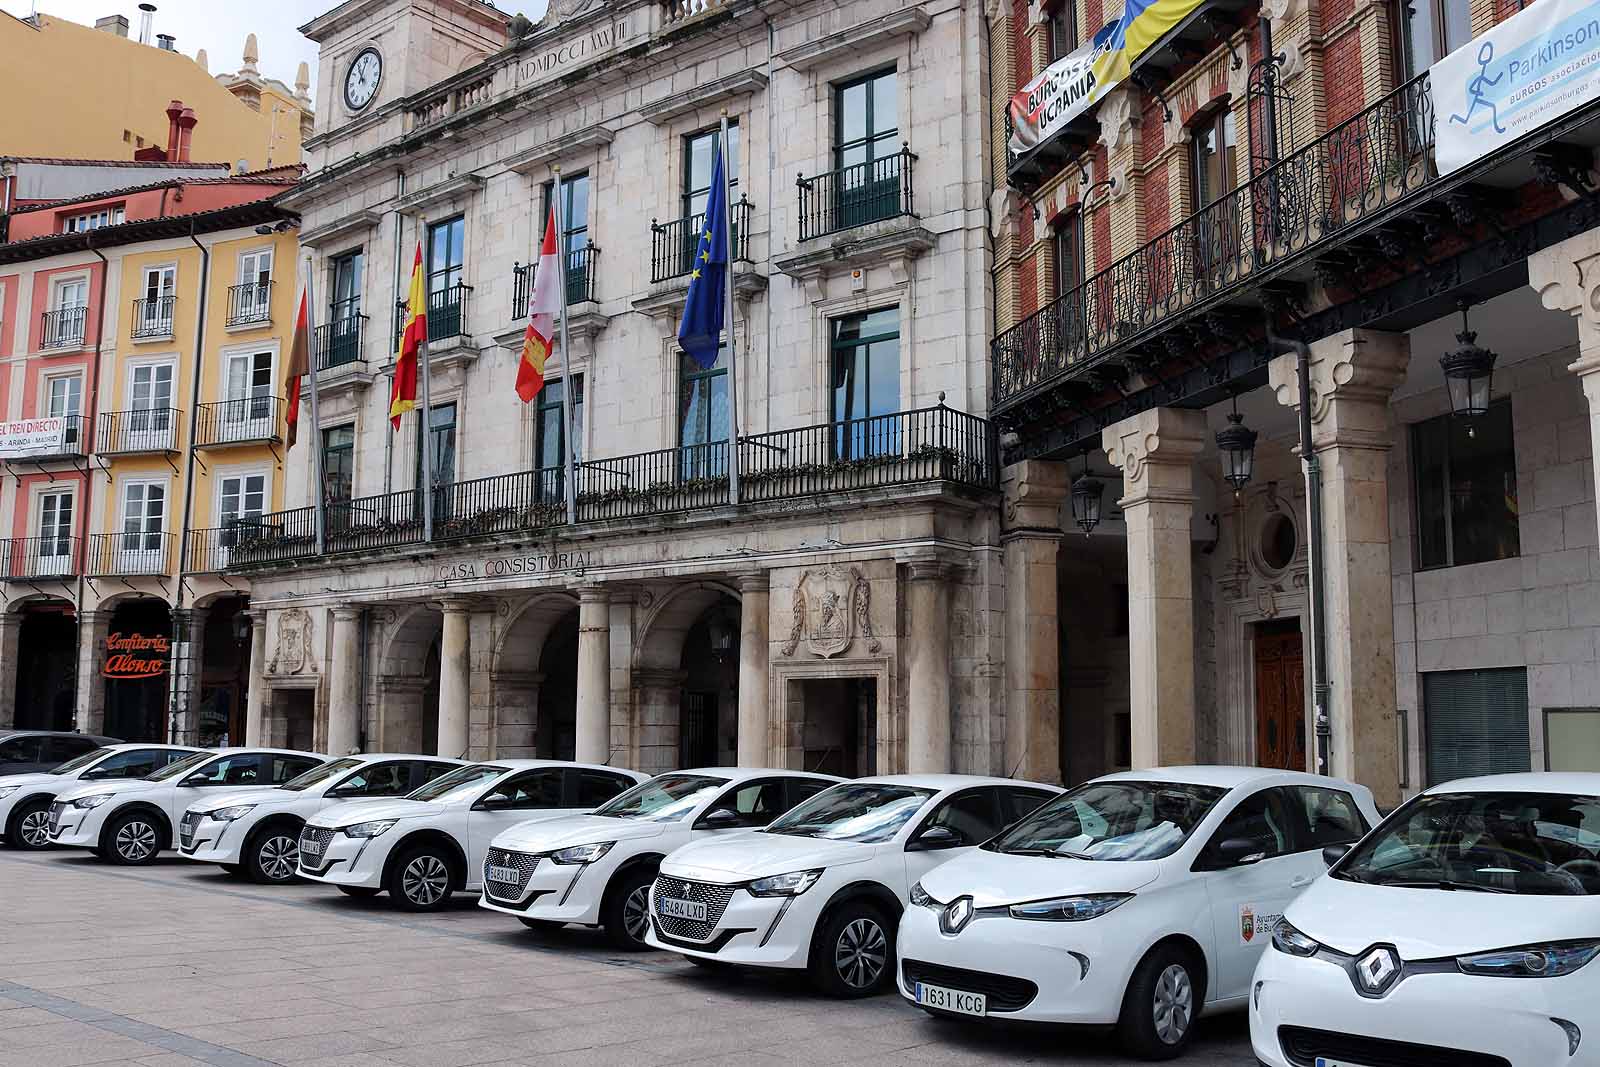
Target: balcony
(211, 549)
(47, 437)
(936, 446)
(338, 341)
(447, 316)
(62, 329)
(249, 305)
(857, 195)
(26, 559)
(152, 319)
(126, 433)
(130, 554)
(580, 280)
(248, 421)
(673, 244)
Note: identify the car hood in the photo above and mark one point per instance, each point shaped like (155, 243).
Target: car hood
(94, 789)
(996, 878)
(281, 798)
(37, 778)
(1429, 923)
(565, 830)
(369, 810)
(757, 855)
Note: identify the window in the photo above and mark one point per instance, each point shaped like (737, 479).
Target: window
(144, 511)
(1066, 247)
(94, 220)
(1475, 722)
(58, 750)
(153, 315)
(249, 387)
(703, 415)
(64, 323)
(699, 161)
(1571, 739)
(242, 769)
(20, 750)
(241, 498)
(597, 787)
(1431, 30)
(866, 150)
(971, 816)
(344, 312)
(285, 768)
(73, 293)
(756, 803)
(575, 232)
(532, 789)
(255, 268)
(255, 279)
(1262, 819)
(1330, 817)
(150, 398)
(446, 276)
(378, 780)
(1466, 496)
(442, 424)
(1015, 803)
(866, 383)
(1063, 29)
(549, 436)
(64, 399)
(55, 525)
(1213, 173)
(134, 763)
(339, 461)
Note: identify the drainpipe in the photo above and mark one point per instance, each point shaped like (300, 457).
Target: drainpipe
(180, 631)
(1312, 465)
(92, 406)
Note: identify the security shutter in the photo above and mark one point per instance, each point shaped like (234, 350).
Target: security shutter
(1476, 721)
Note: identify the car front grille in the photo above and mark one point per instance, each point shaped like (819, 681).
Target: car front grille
(321, 837)
(186, 828)
(1304, 1046)
(56, 809)
(714, 897)
(524, 864)
(1001, 991)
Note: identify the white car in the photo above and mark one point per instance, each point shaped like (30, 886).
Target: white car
(258, 833)
(131, 822)
(822, 887)
(1138, 900)
(432, 842)
(25, 798)
(1464, 930)
(596, 869)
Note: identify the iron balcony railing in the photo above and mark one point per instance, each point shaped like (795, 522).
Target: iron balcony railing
(580, 280)
(249, 304)
(140, 430)
(447, 315)
(927, 445)
(1310, 198)
(153, 317)
(42, 439)
(63, 327)
(673, 244)
(856, 195)
(338, 341)
(28, 558)
(211, 549)
(249, 420)
(131, 552)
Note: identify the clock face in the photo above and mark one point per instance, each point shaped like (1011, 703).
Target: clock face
(361, 83)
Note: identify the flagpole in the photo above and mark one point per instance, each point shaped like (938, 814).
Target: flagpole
(569, 379)
(427, 397)
(727, 315)
(316, 418)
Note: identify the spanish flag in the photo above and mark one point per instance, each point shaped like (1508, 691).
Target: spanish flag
(403, 396)
(539, 339)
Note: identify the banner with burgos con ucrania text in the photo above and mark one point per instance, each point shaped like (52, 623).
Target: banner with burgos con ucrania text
(1057, 95)
(1534, 67)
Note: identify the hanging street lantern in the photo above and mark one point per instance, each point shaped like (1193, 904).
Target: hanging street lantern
(1086, 494)
(723, 631)
(1237, 443)
(1468, 371)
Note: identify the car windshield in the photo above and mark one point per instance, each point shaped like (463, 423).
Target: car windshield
(319, 774)
(82, 761)
(1119, 820)
(181, 767)
(459, 781)
(864, 812)
(1536, 844)
(666, 798)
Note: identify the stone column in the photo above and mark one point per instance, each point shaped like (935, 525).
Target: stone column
(455, 679)
(594, 675)
(255, 700)
(1352, 374)
(93, 626)
(755, 653)
(1567, 277)
(10, 634)
(1156, 450)
(344, 684)
(1030, 537)
(188, 653)
(928, 667)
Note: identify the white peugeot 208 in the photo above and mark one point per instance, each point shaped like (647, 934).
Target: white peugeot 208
(25, 798)
(822, 887)
(1137, 900)
(1463, 931)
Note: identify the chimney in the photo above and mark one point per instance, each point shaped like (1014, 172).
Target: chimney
(174, 110)
(117, 24)
(186, 124)
(166, 42)
(147, 15)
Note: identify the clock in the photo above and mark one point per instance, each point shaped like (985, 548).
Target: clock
(361, 81)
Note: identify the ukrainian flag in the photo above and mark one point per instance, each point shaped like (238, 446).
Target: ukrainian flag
(1143, 23)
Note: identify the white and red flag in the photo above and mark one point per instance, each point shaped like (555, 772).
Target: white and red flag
(538, 341)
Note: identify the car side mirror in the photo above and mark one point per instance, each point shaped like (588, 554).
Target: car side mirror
(935, 838)
(1332, 854)
(494, 803)
(93, 774)
(195, 779)
(719, 819)
(1240, 852)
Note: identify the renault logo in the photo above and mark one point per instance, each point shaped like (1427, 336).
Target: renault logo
(1378, 969)
(956, 915)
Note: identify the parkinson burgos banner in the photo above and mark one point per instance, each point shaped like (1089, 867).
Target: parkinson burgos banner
(1533, 68)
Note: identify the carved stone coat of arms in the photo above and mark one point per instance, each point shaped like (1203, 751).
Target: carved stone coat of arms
(832, 608)
(293, 655)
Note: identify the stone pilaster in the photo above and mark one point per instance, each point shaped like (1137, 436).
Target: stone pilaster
(755, 653)
(455, 679)
(93, 626)
(928, 668)
(10, 634)
(188, 653)
(593, 744)
(659, 701)
(344, 684)
(1031, 534)
(1352, 375)
(1567, 278)
(516, 714)
(255, 706)
(1156, 451)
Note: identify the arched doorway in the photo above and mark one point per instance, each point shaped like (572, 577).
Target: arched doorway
(136, 707)
(407, 718)
(430, 703)
(224, 672)
(708, 708)
(556, 735)
(47, 648)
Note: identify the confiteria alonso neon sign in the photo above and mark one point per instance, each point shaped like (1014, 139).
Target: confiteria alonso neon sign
(136, 656)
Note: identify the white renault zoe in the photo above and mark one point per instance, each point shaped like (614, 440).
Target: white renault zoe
(1463, 931)
(131, 822)
(596, 869)
(258, 833)
(822, 887)
(1137, 900)
(25, 798)
(426, 845)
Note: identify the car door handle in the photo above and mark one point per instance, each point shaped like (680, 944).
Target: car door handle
(1301, 882)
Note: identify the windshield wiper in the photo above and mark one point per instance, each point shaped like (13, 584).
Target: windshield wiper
(1050, 852)
(1445, 883)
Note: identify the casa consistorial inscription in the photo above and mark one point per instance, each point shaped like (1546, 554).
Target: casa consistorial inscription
(597, 42)
(532, 565)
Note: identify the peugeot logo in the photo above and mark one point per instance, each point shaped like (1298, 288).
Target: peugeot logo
(1377, 970)
(955, 916)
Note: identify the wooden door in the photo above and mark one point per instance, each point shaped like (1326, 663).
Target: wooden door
(1280, 697)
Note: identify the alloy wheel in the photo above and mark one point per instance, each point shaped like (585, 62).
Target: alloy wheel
(279, 857)
(425, 880)
(34, 829)
(635, 913)
(136, 841)
(861, 953)
(1174, 1004)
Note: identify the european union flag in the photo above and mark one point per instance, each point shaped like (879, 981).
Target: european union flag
(700, 332)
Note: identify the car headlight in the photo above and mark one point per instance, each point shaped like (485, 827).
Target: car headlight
(238, 811)
(7, 790)
(921, 899)
(1290, 941)
(368, 829)
(1531, 961)
(582, 853)
(1070, 909)
(784, 885)
(92, 802)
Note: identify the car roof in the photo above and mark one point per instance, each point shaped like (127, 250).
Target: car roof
(529, 764)
(740, 774)
(1585, 783)
(1224, 776)
(231, 749)
(942, 782)
(373, 756)
(98, 739)
(123, 746)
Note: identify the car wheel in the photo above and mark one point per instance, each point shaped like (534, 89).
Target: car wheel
(30, 826)
(421, 880)
(133, 839)
(273, 855)
(543, 926)
(360, 892)
(626, 914)
(1160, 1006)
(853, 955)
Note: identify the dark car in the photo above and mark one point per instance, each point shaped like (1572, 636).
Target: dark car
(29, 751)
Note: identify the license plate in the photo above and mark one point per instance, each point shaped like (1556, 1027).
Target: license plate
(308, 847)
(504, 874)
(673, 908)
(935, 996)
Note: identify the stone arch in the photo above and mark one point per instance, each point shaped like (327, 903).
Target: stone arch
(529, 625)
(660, 676)
(19, 604)
(531, 693)
(408, 690)
(660, 645)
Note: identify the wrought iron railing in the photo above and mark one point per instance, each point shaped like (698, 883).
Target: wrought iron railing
(27, 558)
(63, 327)
(153, 317)
(247, 420)
(211, 549)
(1311, 197)
(249, 303)
(673, 244)
(856, 195)
(580, 280)
(521, 289)
(447, 315)
(338, 341)
(140, 430)
(129, 553)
